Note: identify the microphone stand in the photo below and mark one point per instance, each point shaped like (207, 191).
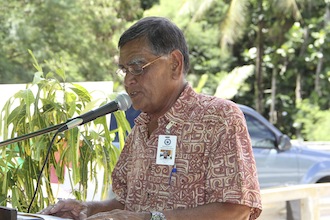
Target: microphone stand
(30, 135)
(122, 102)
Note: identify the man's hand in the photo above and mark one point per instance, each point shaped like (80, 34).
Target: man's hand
(69, 208)
(118, 214)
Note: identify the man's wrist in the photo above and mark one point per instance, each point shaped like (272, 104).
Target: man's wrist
(157, 216)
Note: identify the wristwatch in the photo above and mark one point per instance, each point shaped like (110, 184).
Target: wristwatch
(157, 216)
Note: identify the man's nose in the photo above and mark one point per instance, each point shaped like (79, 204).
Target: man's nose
(129, 79)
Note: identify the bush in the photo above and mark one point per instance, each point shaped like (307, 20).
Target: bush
(84, 151)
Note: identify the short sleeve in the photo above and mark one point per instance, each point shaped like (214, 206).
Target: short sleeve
(231, 172)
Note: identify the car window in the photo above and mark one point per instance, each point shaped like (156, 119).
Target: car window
(261, 136)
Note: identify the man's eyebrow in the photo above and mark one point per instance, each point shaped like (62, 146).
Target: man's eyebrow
(138, 60)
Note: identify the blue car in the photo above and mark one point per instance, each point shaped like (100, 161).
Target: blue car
(279, 163)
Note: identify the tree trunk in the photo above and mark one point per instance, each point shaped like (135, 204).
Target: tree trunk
(317, 86)
(303, 48)
(273, 115)
(273, 112)
(298, 88)
(259, 60)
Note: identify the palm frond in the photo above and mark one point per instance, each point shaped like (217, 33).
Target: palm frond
(289, 7)
(232, 28)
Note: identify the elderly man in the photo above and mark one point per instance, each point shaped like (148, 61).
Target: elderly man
(211, 173)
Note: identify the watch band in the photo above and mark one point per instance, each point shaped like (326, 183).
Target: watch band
(157, 216)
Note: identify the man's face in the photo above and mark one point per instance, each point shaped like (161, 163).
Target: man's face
(150, 91)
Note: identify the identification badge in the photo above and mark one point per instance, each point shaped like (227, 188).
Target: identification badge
(166, 149)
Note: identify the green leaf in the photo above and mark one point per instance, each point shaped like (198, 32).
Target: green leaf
(81, 92)
(35, 64)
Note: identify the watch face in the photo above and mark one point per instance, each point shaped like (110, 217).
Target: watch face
(157, 216)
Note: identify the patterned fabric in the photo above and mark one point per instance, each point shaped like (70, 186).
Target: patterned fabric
(214, 160)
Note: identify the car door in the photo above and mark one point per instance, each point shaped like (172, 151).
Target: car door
(275, 167)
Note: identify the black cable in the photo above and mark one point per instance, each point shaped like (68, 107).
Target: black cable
(43, 167)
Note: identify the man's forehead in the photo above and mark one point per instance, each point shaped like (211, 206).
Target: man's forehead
(133, 53)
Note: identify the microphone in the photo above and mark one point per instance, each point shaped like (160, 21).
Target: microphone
(122, 102)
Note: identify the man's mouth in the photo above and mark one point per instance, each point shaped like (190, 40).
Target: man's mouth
(133, 94)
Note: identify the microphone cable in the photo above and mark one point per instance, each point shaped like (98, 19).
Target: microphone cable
(43, 167)
(122, 102)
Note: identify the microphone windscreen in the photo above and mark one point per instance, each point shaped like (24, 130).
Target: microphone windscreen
(124, 101)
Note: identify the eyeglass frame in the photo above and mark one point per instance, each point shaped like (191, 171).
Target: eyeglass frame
(123, 70)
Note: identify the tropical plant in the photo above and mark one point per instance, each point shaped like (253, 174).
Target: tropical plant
(83, 152)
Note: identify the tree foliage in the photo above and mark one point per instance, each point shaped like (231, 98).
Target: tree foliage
(285, 41)
(81, 33)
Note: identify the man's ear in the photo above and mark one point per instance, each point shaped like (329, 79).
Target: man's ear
(176, 63)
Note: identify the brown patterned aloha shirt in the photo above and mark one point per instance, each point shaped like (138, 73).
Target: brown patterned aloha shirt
(214, 160)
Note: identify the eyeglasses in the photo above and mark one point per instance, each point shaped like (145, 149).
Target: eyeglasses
(135, 69)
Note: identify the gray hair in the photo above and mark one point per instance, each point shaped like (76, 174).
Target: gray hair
(162, 35)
